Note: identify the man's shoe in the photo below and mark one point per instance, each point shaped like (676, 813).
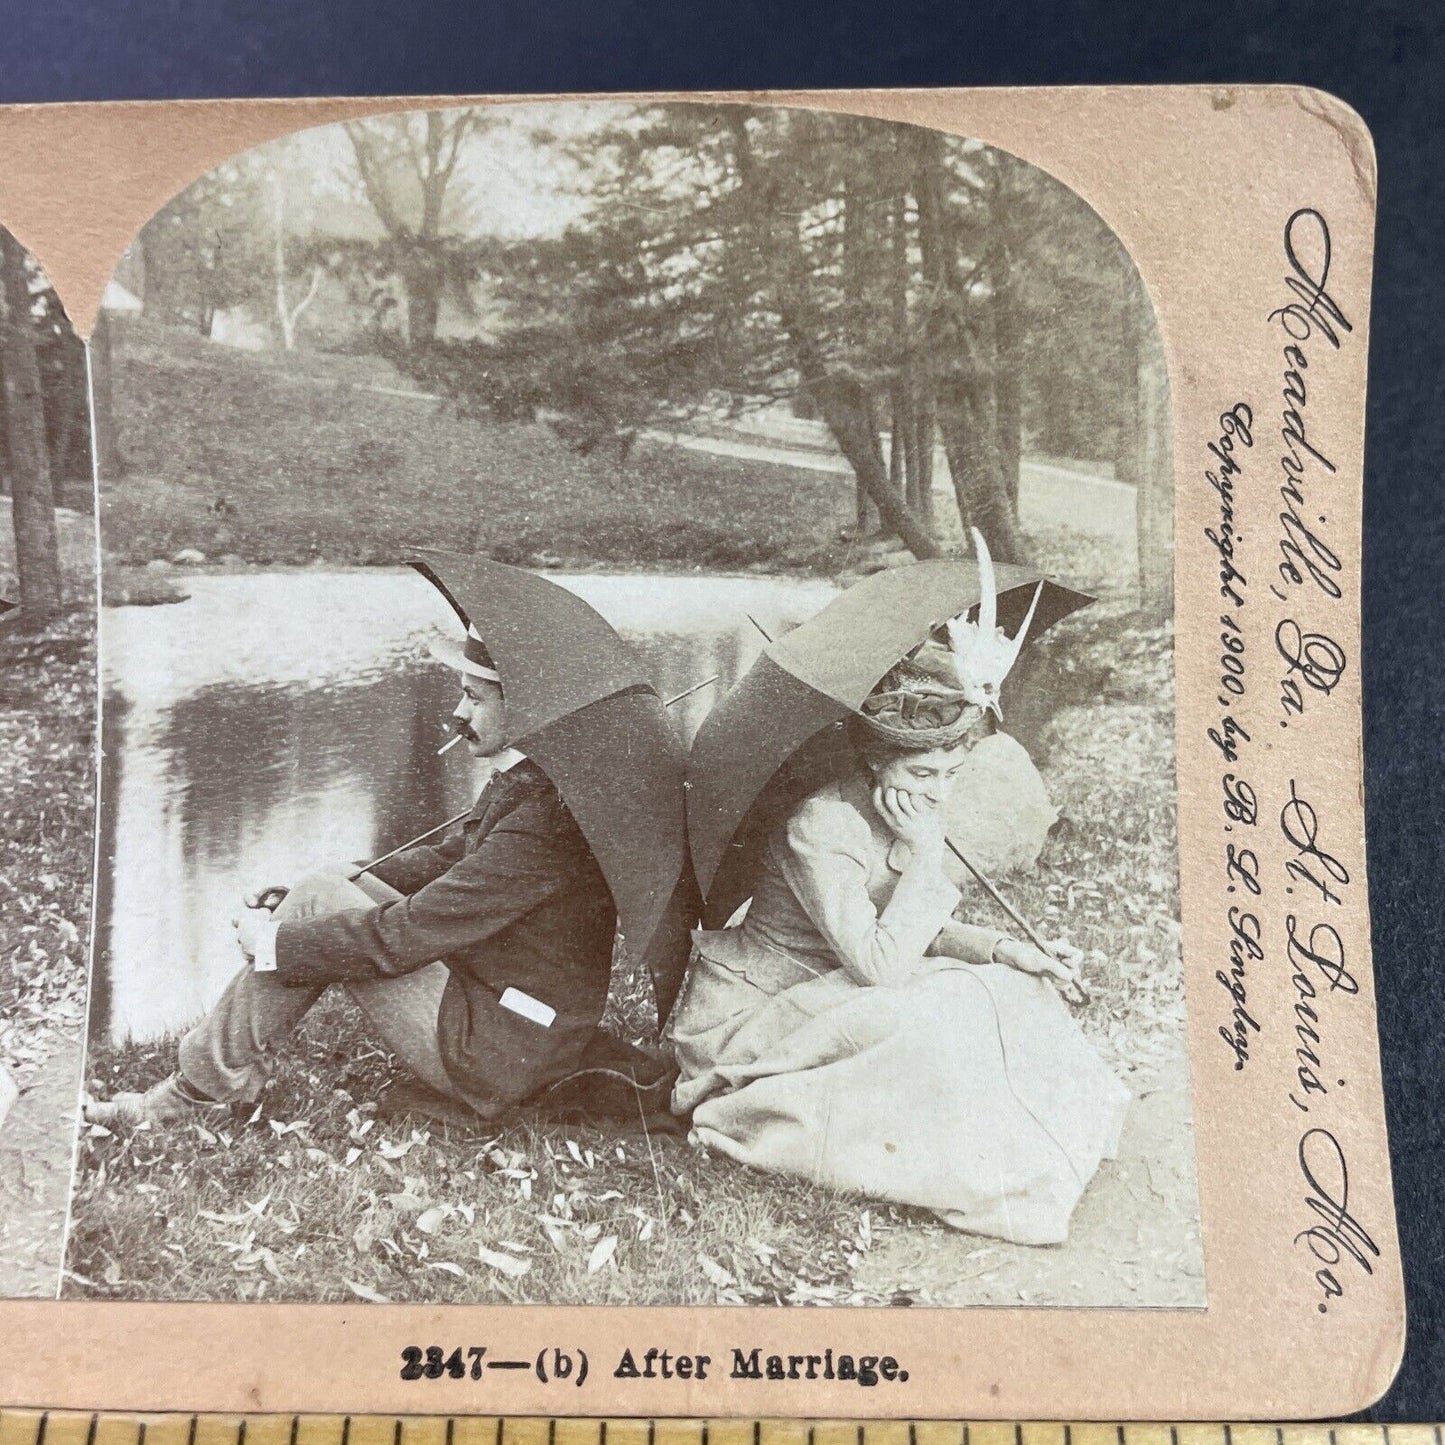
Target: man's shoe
(169, 1102)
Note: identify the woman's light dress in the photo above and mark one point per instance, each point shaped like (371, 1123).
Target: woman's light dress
(825, 1036)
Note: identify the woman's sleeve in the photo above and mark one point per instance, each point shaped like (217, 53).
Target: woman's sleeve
(825, 861)
(967, 942)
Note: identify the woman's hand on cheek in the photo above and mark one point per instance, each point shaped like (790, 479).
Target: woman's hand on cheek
(915, 822)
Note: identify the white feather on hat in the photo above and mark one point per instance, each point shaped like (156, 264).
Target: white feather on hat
(982, 653)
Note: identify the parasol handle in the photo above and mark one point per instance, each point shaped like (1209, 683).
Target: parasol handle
(998, 898)
(1079, 992)
(420, 838)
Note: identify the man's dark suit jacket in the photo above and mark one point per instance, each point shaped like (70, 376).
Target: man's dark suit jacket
(510, 898)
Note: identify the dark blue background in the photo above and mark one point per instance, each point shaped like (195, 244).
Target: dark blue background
(1385, 59)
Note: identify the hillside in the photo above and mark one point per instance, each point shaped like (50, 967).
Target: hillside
(280, 459)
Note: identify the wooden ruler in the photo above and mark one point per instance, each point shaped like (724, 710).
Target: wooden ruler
(35, 1427)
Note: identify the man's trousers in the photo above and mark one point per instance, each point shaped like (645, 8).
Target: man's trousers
(228, 1055)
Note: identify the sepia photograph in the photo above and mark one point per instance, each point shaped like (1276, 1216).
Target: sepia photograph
(637, 728)
(47, 763)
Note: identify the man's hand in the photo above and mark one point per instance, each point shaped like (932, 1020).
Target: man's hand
(270, 898)
(248, 928)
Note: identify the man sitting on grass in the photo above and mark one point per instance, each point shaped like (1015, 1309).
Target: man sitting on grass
(482, 962)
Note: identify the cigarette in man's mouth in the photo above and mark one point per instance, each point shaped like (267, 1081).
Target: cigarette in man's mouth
(447, 746)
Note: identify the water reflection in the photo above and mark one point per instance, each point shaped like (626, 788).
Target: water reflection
(276, 722)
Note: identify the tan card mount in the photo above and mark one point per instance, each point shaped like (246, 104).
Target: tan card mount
(911, 538)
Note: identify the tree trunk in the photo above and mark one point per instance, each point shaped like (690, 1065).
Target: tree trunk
(1007, 335)
(905, 385)
(1150, 457)
(865, 513)
(101, 354)
(1008, 350)
(37, 555)
(924, 436)
(843, 403)
(905, 440)
(423, 304)
(962, 385)
(66, 407)
(898, 477)
(967, 427)
(841, 396)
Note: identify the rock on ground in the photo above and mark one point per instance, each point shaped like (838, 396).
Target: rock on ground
(1000, 813)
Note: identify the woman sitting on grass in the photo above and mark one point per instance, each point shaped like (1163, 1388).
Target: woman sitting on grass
(851, 1031)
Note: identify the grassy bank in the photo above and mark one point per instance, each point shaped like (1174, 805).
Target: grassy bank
(284, 460)
(47, 802)
(47, 798)
(315, 1195)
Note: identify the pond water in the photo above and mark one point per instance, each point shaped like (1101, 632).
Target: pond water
(275, 722)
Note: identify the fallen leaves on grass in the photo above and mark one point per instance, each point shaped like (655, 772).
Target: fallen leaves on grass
(365, 1291)
(548, 1213)
(507, 1264)
(47, 792)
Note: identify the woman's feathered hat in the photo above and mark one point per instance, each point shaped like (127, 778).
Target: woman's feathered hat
(942, 691)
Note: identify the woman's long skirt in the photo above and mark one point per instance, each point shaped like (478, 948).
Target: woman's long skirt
(970, 1091)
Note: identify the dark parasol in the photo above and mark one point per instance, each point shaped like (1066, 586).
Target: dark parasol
(778, 733)
(580, 705)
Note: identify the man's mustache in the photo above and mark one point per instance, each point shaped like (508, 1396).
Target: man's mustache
(462, 729)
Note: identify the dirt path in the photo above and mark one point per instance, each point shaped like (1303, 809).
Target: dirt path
(35, 1153)
(1135, 1242)
(1098, 506)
